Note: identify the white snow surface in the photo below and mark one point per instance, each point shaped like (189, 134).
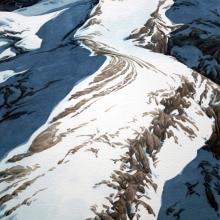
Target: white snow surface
(68, 188)
(4, 75)
(44, 6)
(19, 32)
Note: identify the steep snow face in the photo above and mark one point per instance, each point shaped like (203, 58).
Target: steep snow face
(18, 33)
(184, 29)
(10, 5)
(154, 34)
(45, 6)
(36, 75)
(111, 27)
(110, 145)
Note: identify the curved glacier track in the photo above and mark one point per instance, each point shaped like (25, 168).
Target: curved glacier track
(48, 75)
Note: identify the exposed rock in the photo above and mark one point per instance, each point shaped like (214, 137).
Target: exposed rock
(43, 141)
(16, 172)
(155, 33)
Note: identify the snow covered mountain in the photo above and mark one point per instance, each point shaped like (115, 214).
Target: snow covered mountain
(191, 34)
(94, 127)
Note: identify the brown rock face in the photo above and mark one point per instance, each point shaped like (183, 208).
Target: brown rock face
(43, 141)
(155, 33)
(172, 40)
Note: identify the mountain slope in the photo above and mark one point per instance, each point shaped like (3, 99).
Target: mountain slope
(191, 34)
(39, 74)
(113, 140)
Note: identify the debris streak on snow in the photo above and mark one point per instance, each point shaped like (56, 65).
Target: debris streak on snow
(116, 143)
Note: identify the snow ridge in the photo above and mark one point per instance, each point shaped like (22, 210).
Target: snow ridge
(122, 133)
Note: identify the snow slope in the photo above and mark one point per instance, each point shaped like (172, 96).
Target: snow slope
(45, 6)
(114, 146)
(187, 30)
(37, 74)
(18, 33)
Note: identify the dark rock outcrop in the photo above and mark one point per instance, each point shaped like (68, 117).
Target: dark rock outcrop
(11, 5)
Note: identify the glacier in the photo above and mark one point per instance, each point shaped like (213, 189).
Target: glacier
(105, 114)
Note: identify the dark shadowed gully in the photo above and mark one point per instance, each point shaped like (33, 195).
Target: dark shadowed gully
(10, 5)
(49, 74)
(193, 38)
(198, 37)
